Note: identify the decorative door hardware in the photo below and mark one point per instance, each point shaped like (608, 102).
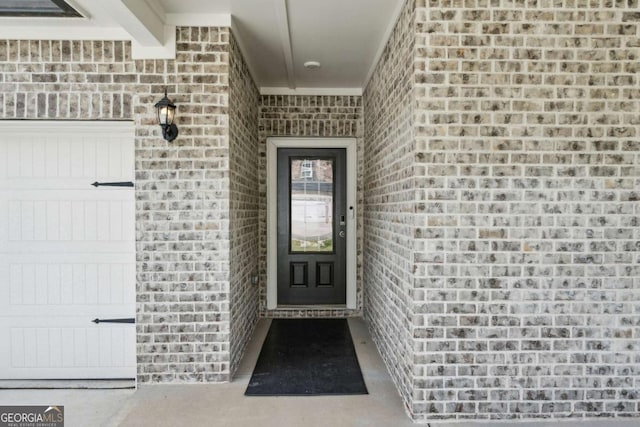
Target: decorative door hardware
(121, 320)
(113, 184)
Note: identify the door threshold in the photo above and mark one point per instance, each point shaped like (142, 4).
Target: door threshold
(312, 307)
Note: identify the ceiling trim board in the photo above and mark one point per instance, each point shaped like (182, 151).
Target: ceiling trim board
(166, 51)
(199, 19)
(338, 91)
(157, 9)
(285, 38)
(8, 32)
(383, 43)
(139, 20)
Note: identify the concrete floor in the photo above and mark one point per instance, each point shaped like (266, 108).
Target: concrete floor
(225, 404)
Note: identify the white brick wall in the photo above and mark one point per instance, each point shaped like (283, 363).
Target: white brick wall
(243, 221)
(183, 194)
(389, 194)
(525, 257)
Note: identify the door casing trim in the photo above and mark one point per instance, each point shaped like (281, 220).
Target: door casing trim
(272, 254)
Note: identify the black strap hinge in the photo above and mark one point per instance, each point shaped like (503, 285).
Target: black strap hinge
(113, 184)
(121, 320)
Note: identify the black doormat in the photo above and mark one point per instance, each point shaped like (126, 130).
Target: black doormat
(303, 357)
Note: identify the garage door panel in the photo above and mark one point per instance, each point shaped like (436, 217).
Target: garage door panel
(67, 156)
(25, 161)
(55, 347)
(36, 219)
(5, 163)
(67, 250)
(56, 286)
(64, 184)
(67, 222)
(85, 257)
(39, 161)
(72, 373)
(60, 343)
(106, 247)
(35, 350)
(84, 313)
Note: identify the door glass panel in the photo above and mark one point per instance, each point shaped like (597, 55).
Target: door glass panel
(311, 205)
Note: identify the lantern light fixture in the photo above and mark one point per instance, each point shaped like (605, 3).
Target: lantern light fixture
(166, 111)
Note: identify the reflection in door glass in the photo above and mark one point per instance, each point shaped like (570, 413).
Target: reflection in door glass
(311, 205)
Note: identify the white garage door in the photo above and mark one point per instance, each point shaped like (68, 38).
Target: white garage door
(67, 250)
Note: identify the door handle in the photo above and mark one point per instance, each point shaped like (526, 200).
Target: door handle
(341, 233)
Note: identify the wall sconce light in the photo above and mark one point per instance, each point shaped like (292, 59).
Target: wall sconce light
(166, 111)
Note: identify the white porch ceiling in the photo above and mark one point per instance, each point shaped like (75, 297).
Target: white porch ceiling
(276, 36)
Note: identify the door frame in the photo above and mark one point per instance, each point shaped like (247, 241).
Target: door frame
(349, 144)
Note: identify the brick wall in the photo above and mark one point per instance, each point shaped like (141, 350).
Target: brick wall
(182, 188)
(243, 215)
(526, 261)
(67, 80)
(525, 301)
(389, 193)
(308, 116)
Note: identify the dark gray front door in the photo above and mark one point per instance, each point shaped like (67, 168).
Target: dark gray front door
(311, 226)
